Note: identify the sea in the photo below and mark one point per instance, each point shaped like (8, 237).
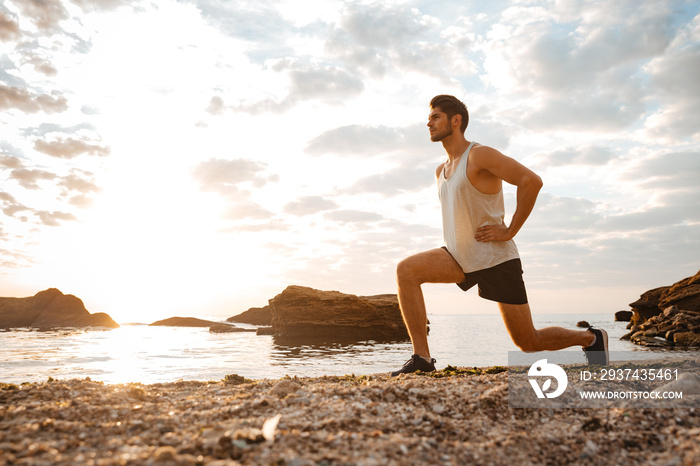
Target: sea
(141, 354)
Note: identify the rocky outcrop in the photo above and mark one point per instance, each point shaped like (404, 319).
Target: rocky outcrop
(685, 295)
(672, 328)
(182, 322)
(222, 327)
(50, 309)
(623, 316)
(668, 316)
(193, 322)
(305, 312)
(253, 316)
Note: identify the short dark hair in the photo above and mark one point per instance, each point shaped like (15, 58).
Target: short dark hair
(451, 106)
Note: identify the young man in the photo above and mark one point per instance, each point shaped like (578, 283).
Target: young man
(479, 245)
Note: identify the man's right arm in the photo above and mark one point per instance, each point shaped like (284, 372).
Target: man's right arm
(528, 185)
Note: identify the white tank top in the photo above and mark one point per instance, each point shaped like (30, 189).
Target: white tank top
(464, 209)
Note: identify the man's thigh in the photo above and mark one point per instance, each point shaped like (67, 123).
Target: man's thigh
(433, 266)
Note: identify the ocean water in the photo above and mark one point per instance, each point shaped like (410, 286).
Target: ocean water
(138, 353)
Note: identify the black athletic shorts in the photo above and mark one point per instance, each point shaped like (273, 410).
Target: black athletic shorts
(502, 283)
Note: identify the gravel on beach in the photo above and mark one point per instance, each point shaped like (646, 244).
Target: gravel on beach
(453, 417)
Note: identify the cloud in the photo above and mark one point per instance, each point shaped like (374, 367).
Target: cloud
(273, 224)
(369, 41)
(22, 99)
(370, 258)
(584, 76)
(650, 218)
(576, 156)
(328, 83)
(226, 178)
(104, 5)
(78, 186)
(379, 25)
(224, 175)
(54, 219)
(45, 129)
(309, 205)
(404, 179)
(45, 14)
(673, 83)
(410, 144)
(9, 205)
(68, 148)
(367, 31)
(258, 23)
(41, 64)
(666, 171)
(365, 141)
(560, 213)
(9, 161)
(29, 178)
(486, 130)
(245, 209)
(9, 29)
(353, 216)
(216, 106)
(14, 259)
(378, 39)
(307, 82)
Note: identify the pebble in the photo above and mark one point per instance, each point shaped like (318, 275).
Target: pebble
(687, 383)
(454, 419)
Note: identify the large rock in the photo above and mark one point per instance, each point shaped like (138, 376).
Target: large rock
(223, 327)
(253, 316)
(684, 294)
(623, 316)
(50, 309)
(214, 327)
(182, 322)
(305, 312)
(672, 328)
(668, 315)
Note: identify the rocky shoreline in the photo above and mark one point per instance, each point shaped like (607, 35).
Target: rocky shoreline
(666, 317)
(50, 309)
(452, 417)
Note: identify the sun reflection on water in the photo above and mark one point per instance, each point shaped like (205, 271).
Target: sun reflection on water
(162, 354)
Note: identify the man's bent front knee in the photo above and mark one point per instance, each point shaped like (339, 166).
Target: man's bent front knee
(406, 272)
(434, 266)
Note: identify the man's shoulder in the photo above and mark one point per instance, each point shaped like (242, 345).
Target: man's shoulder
(482, 149)
(482, 155)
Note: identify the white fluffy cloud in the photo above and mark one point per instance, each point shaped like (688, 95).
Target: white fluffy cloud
(580, 66)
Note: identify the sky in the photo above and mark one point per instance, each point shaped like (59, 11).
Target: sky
(196, 157)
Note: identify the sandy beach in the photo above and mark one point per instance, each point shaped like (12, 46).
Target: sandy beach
(448, 418)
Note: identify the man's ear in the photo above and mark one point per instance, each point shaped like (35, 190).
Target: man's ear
(457, 120)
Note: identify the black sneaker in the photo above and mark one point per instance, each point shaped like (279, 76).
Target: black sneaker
(416, 363)
(597, 353)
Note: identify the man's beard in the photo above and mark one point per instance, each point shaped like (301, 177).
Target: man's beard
(440, 135)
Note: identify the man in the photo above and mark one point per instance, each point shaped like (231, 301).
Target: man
(479, 245)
